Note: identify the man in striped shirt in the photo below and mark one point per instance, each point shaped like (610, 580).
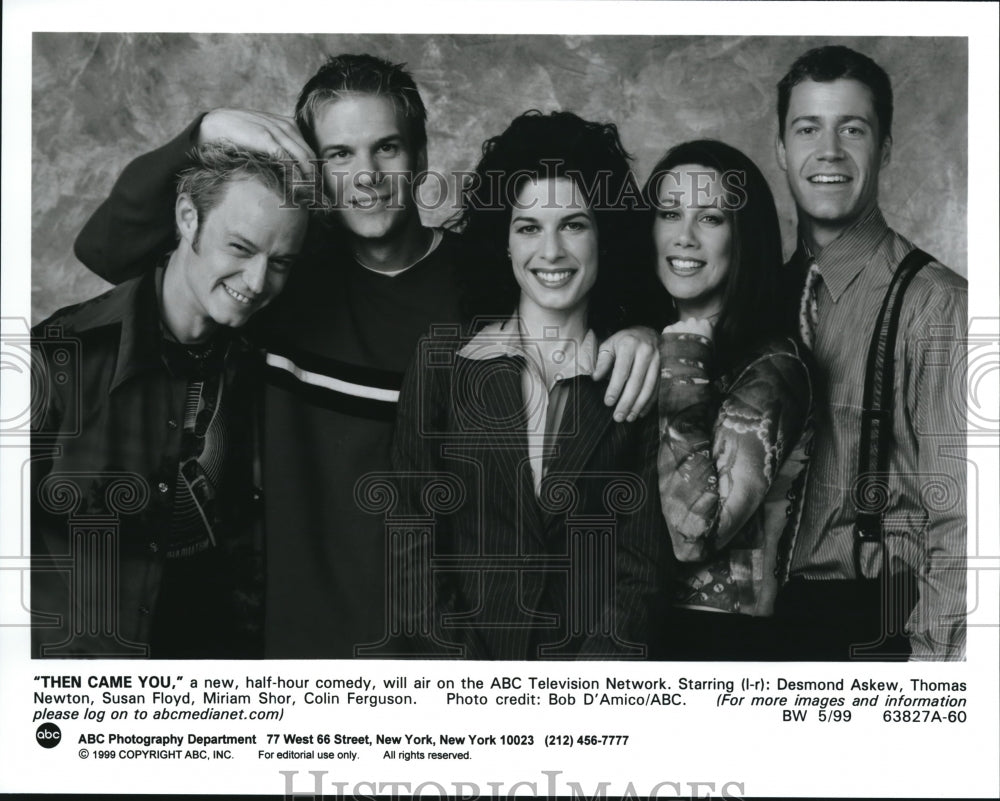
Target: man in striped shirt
(848, 600)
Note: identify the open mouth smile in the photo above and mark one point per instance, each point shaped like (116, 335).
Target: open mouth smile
(553, 279)
(829, 179)
(684, 267)
(239, 297)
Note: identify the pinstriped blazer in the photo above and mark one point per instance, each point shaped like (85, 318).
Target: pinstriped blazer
(568, 573)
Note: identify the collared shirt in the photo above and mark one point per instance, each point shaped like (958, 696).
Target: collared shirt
(924, 502)
(544, 403)
(110, 423)
(506, 589)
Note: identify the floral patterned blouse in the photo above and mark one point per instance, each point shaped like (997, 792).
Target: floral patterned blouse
(732, 458)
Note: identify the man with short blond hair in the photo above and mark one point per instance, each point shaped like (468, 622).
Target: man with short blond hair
(159, 431)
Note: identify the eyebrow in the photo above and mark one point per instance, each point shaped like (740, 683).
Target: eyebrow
(713, 206)
(251, 245)
(243, 240)
(676, 204)
(390, 139)
(573, 216)
(815, 118)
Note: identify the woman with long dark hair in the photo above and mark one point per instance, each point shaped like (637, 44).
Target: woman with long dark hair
(734, 403)
(551, 544)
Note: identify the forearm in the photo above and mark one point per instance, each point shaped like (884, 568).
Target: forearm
(937, 624)
(688, 406)
(720, 453)
(937, 406)
(134, 225)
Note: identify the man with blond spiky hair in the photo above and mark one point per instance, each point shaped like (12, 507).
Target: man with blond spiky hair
(166, 402)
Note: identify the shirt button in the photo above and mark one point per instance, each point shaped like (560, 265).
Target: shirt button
(172, 424)
(162, 486)
(257, 494)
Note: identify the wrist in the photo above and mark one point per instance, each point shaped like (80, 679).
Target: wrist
(205, 131)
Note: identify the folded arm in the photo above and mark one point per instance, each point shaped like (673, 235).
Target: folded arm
(720, 452)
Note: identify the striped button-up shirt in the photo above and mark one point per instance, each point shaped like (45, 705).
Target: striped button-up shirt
(544, 404)
(924, 519)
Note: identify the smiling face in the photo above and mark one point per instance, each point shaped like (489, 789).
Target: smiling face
(553, 248)
(234, 262)
(369, 165)
(831, 153)
(693, 239)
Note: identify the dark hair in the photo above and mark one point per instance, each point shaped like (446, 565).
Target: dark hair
(557, 145)
(830, 63)
(362, 74)
(750, 298)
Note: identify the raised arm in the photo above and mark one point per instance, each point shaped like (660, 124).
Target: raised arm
(135, 224)
(719, 453)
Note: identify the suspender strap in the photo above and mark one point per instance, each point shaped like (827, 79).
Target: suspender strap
(877, 414)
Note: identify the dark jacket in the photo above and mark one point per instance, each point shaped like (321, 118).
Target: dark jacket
(106, 442)
(567, 573)
(338, 340)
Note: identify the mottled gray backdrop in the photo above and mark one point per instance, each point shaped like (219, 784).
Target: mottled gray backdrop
(99, 100)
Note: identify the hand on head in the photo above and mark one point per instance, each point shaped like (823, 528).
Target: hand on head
(260, 131)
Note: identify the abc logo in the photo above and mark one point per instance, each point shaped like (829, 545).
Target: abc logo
(48, 735)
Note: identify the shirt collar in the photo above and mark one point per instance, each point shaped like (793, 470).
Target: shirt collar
(139, 348)
(133, 308)
(504, 339)
(845, 257)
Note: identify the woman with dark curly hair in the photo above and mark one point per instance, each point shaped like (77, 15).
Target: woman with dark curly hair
(734, 403)
(550, 544)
